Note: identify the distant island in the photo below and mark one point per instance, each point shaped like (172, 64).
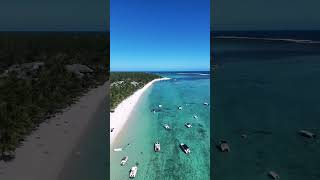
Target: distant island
(124, 84)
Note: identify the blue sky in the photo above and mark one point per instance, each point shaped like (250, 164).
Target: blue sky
(159, 35)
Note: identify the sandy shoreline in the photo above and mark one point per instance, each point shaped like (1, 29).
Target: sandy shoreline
(122, 112)
(45, 151)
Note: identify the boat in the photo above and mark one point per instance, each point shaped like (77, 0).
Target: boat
(185, 148)
(155, 110)
(117, 149)
(160, 105)
(206, 104)
(224, 146)
(306, 133)
(188, 125)
(166, 126)
(195, 116)
(157, 147)
(133, 172)
(180, 108)
(244, 136)
(112, 129)
(273, 175)
(124, 160)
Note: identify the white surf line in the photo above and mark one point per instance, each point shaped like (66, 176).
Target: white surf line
(121, 114)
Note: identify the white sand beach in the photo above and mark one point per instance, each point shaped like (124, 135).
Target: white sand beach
(121, 114)
(43, 154)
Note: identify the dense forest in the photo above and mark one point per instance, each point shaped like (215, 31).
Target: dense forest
(43, 72)
(123, 84)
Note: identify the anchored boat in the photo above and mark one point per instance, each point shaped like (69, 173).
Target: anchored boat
(124, 160)
(185, 148)
(307, 134)
(224, 146)
(166, 126)
(157, 147)
(117, 149)
(133, 172)
(180, 108)
(188, 125)
(273, 175)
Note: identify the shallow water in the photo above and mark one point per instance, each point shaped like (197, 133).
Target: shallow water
(145, 128)
(268, 92)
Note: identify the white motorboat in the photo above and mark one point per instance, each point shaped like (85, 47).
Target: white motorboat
(166, 126)
(157, 147)
(133, 172)
(188, 125)
(160, 106)
(124, 160)
(180, 108)
(195, 116)
(185, 148)
(117, 149)
(273, 175)
(307, 134)
(206, 104)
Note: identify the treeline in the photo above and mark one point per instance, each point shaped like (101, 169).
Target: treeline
(82, 47)
(124, 84)
(26, 102)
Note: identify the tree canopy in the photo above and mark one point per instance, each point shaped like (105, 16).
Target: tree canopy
(124, 84)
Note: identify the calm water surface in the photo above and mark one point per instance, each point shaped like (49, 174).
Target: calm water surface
(144, 128)
(267, 90)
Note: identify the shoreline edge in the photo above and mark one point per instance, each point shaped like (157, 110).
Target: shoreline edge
(122, 112)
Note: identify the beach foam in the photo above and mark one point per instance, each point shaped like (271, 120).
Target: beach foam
(122, 112)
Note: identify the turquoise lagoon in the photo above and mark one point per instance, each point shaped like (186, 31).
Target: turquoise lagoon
(189, 90)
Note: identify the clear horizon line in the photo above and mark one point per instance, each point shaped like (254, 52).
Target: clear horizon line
(246, 30)
(158, 70)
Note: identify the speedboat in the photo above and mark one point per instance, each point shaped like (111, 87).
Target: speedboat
(166, 126)
(195, 116)
(133, 172)
(180, 108)
(157, 147)
(160, 105)
(124, 160)
(185, 148)
(117, 149)
(206, 104)
(188, 125)
(273, 175)
(307, 134)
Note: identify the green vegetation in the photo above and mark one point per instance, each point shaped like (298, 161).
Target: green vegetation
(27, 98)
(124, 84)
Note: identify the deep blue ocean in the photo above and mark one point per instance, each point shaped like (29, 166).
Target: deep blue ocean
(266, 88)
